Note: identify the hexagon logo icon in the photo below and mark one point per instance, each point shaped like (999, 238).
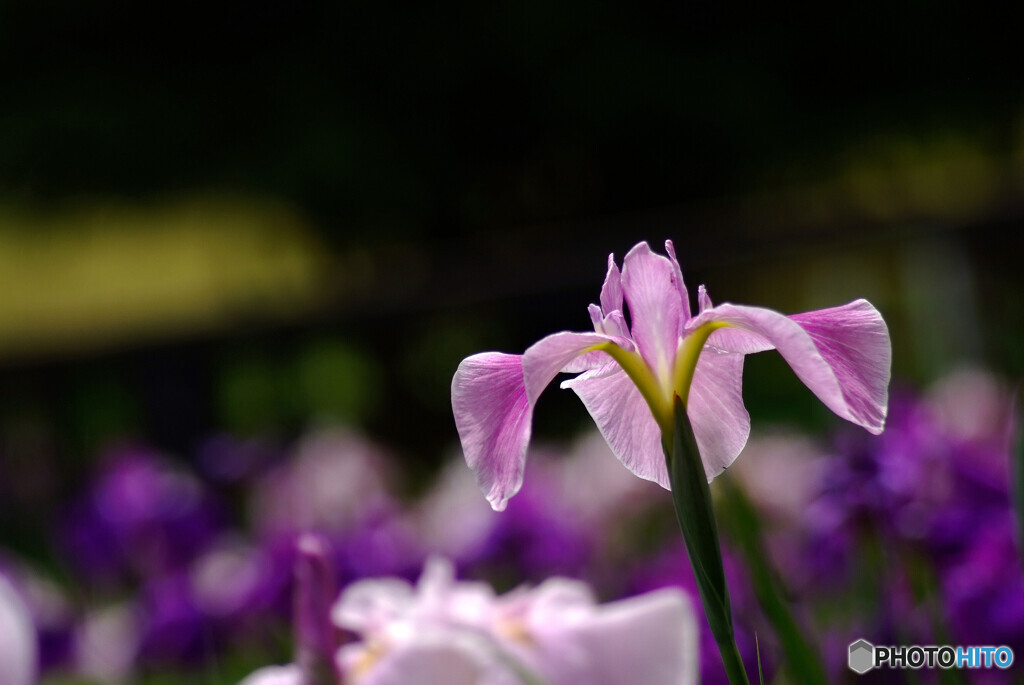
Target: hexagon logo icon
(862, 656)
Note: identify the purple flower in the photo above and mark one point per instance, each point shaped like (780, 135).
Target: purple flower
(142, 516)
(934, 480)
(630, 373)
(17, 639)
(984, 590)
(172, 625)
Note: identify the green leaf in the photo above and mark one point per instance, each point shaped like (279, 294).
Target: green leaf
(801, 659)
(692, 499)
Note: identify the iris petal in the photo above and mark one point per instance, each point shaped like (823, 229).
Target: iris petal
(650, 639)
(611, 291)
(854, 341)
(651, 287)
(435, 658)
(547, 357)
(493, 396)
(842, 354)
(715, 408)
(493, 416)
(684, 296)
(624, 419)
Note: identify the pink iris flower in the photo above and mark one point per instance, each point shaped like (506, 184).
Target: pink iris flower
(629, 373)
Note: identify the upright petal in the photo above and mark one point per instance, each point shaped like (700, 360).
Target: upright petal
(703, 299)
(611, 291)
(715, 408)
(651, 286)
(615, 325)
(681, 285)
(842, 354)
(596, 317)
(624, 419)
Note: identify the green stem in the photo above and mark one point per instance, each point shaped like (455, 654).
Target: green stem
(801, 661)
(733, 663)
(692, 499)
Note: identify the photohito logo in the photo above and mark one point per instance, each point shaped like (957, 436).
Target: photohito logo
(865, 656)
(862, 656)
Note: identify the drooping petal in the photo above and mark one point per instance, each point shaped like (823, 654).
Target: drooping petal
(611, 291)
(854, 340)
(624, 419)
(493, 396)
(681, 284)
(651, 287)
(715, 408)
(493, 417)
(842, 354)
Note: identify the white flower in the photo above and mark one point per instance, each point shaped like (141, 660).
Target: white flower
(17, 639)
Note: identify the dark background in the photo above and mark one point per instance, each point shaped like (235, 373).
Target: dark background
(453, 177)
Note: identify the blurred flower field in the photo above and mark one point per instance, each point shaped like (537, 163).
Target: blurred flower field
(166, 568)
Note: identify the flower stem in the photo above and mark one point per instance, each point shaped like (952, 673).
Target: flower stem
(692, 498)
(734, 670)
